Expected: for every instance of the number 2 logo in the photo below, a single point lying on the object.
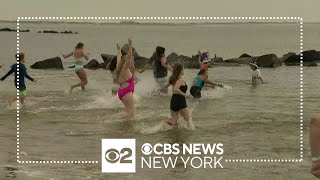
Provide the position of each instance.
(113, 155)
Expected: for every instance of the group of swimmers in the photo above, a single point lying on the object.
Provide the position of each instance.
(123, 71)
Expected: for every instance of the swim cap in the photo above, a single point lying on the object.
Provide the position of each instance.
(205, 55)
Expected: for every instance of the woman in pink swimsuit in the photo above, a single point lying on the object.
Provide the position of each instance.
(126, 81)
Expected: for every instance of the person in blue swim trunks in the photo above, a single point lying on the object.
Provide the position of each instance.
(19, 69)
(79, 54)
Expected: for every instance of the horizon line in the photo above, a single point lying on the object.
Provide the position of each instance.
(128, 22)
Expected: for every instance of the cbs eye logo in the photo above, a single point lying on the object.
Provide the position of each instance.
(114, 156)
(118, 155)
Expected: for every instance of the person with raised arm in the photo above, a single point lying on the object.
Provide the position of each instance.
(126, 80)
(20, 70)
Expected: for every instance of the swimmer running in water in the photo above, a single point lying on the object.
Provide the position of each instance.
(160, 69)
(200, 81)
(315, 145)
(126, 80)
(256, 74)
(178, 104)
(78, 55)
(19, 68)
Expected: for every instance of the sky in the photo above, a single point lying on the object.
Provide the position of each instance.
(308, 9)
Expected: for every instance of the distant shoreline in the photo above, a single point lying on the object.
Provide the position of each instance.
(149, 23)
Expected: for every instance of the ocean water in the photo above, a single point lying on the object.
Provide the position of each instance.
(252, 122)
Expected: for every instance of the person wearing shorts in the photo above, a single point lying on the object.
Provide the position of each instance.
(21, 70)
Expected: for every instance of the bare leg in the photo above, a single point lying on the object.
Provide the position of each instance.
(129, 105)
(173, 121)
(186, 116)
(83, 77)
(315, 144)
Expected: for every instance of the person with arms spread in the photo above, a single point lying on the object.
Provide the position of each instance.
(200, 81)
(78, 55)
(19, 68)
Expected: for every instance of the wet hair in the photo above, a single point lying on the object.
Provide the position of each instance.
(177, 68)
(113, 64)
(19, 56)
(79, 45)
(160, 50)
(202, 71)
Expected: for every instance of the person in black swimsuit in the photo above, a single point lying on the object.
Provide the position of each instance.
(178, 104)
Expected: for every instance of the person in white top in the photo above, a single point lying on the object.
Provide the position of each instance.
(256, 74)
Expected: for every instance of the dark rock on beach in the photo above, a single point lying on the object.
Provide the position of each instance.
(93, 65)
(107, 60)
(172, 58)
(50, 31)
(287, 56)
(243, 60)
(269, 61)
(308, 56)
(311, 55)
(13, 30)
(307, 64)
(56, 32)
(140, 61)
(186, 61)
(125, 49)
(51, 63)
(244, 55)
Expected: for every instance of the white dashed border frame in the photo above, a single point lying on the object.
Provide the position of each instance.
(299, 19)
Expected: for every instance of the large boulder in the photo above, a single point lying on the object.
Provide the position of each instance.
(291, 56)
(107, 58)
(244, 60)
(13, 30)
(7, 29)
(308, 56)
(188, 62)
(244, 55)
(140, 62)
(50, 31)
(307, 64)
(51, 63)
(125, 49)
(93, 65)
(172, 58)
(269, 61)
(311, 55)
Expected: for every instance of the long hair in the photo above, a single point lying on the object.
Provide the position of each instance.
(177, 68)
